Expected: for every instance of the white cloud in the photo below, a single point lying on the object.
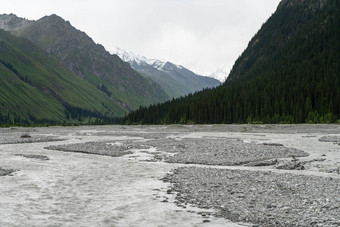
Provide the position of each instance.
(203, 35)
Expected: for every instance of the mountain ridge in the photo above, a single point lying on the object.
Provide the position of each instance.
(176, 80)
(82, 56)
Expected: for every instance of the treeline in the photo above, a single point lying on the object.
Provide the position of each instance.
(88, 116)
(256, 102)
(73, 116)
(10, 120)
(290, 73)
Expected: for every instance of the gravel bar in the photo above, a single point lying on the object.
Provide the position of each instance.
(5, 172)
(332, 139)
(16, 138)
(229, 152)
(113, 149)
(34, 156)
(262, 198)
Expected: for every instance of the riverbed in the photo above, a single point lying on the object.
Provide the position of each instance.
(119, 175)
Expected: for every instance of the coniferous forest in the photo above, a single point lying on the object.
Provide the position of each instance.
(289, 73)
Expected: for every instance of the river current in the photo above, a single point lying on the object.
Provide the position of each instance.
(75, 189)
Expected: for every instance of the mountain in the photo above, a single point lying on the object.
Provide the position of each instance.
(36, 88)
(220, 74)
(90, 61)
(289, 73)
(174, 79)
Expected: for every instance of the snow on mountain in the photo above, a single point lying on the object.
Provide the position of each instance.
(174, 79)
(127, 56)
(220, 74)
(132, 58)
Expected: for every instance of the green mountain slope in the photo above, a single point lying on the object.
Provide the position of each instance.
(36, 87)
(90, 61)
(290, 72)
(19, 99)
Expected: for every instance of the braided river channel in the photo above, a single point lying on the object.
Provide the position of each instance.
(109, 176)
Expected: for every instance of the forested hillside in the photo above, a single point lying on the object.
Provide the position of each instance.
(289, 73)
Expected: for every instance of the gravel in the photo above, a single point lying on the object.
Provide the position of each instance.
(229, 152)
(263, 198)
(109, 148)
(332, 139)
(14, 138)
(5, 172)
(34, 156)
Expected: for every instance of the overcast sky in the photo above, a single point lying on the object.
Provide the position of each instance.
(202, 35)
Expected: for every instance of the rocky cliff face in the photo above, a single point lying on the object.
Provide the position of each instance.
(10, 22)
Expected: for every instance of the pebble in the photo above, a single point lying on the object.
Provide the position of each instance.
(263, 198)
(332, 139)
(18, 137)
(108, 148)
(230, 152)
(34, 156)
(5, 172)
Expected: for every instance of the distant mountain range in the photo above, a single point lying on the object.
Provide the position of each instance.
(90, 61)
(289, 73)
(174, 79)
(220, 74)
(49, 63)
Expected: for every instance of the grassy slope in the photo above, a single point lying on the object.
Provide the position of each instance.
(20, 99)
(77, 52)
(46, 74)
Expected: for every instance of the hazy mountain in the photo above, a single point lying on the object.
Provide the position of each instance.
(220, 74)
(36, 88)
(174, 79)
(289, 73)
(90, 61)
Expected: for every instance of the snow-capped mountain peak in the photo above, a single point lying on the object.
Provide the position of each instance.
(176, 80)
(220, 74)
(127, 56)
(132, 58)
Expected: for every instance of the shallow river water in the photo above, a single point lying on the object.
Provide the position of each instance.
(76, 189)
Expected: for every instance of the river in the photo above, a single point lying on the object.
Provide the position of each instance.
(76, 189)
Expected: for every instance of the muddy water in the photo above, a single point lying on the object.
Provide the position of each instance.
(74, 189)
